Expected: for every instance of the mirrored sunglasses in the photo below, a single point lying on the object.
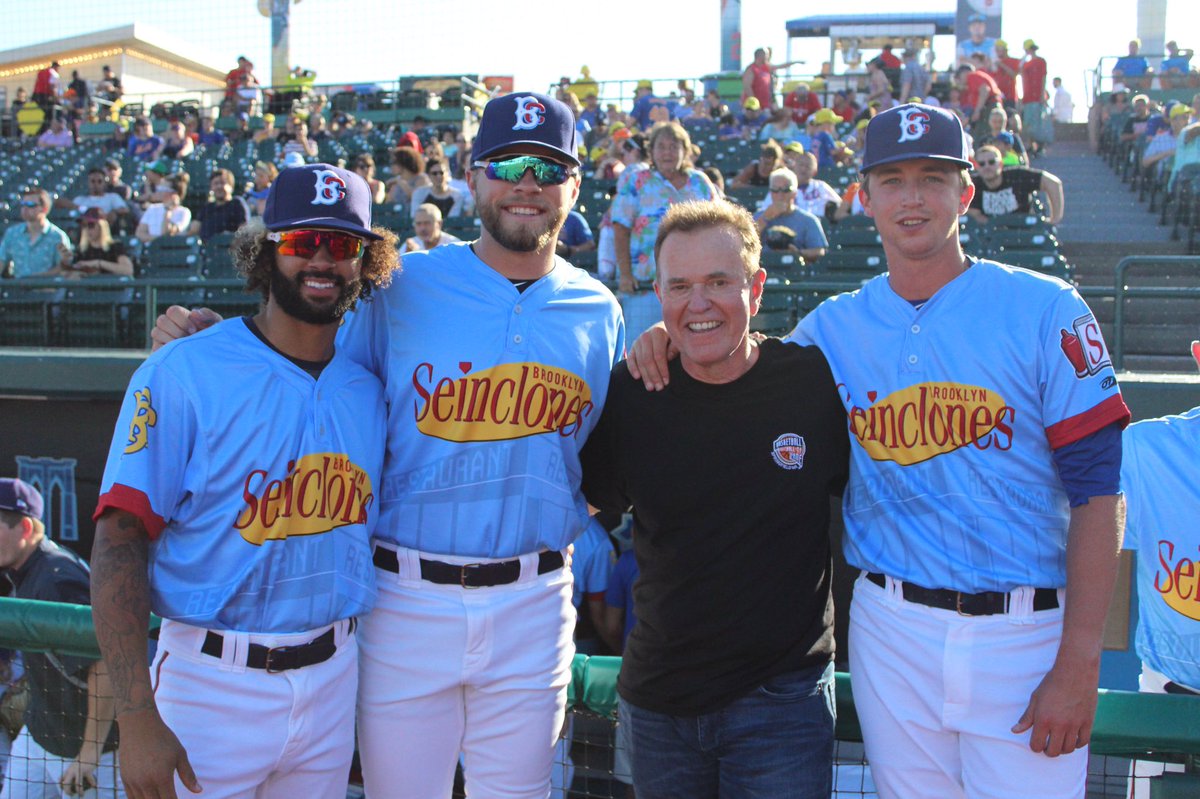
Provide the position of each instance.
(546, 173)
(305, 243)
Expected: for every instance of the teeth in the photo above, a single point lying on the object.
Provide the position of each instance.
(700, 327)
(523, 211)
(319, 284)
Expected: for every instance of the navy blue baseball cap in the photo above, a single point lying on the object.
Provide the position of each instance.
(320, 196)
(527, 118)
(915, 130)
(21, 497)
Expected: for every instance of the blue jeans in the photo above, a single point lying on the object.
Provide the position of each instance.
(774, 743)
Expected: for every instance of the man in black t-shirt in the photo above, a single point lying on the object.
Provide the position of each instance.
(1009, 190)
(223, 212)
(63, 748)
(727, 677)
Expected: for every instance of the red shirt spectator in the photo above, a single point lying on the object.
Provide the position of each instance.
(889, 59)
(1005, 71)
(979, 83)
(1033, 78)
(802, 102)
(233, 79)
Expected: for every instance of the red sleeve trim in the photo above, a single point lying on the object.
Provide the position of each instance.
(1076, 427)
(131, 500)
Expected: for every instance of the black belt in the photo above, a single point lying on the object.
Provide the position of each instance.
(280, 658)
(1176, 688)
(986, 603)
(469, 575)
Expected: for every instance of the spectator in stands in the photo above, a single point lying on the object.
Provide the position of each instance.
(98, 254)
(47, 88)
(300, 142)
(176, 143)
(265, 173)
(915, 80)
(78, 95)
(57, 136)
(1187, 151)
(879, 88)
(249, 95)
(641, 202)
(1164, 144)
(729, 128)
(977, 42)
(318, 130)
(448, 199)
(223, 213)
(1064, 106)
(1138, 120)
(143, 144)
(842, 106)
(717, 179)
(109, 88)
(364, 165)
(152, 189)
(804, 233)
(169, 217)
(812, 194)
(1133, 69)
(112, 180)
(758, 172)
(233, 78)
(802, 102)
(408, 173)
(977, 92)
(792, 151)
(99, 196)
(644, 101)
(575, 236)
(592, 113)
(781, 128)
(208, 136)
(1158, 478)
(998, 124)
(1035, 118)
(68, 743)
(33, 247)
(1175, 68)
(753, 117)
(427, 224)
(825, 146)
(268, 132)
(1004, 71)
(1008, 190)
(758, 79)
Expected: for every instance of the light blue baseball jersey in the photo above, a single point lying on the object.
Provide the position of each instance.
(591, 562)
(491, 393)
(1162, 495)
(256, 483)
(953, 409)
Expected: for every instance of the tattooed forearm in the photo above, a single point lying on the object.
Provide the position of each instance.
(121, 607)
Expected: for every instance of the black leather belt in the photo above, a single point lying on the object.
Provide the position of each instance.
(280, 658)
(469, 575)
(986, 603)
(1176, 688)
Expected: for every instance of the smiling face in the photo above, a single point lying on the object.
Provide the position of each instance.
(707, 301)
(317, 290)
(916, 205)
(523, 216)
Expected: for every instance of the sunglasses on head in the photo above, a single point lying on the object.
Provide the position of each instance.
(305, 243)
(546, 173)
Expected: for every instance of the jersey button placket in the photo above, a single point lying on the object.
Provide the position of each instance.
(516, 328)
(913, 349)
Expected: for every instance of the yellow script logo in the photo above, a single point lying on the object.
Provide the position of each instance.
(321, 492)
(144, 417)
(509, 401)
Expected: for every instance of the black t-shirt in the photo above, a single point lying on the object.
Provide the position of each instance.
(1017, 185)
(89, 253)
(58, 683)
(730, 488)
(217, 218)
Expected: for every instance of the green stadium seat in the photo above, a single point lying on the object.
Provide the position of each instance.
(218, 260)
(96, 313)
(1046, 262)
(172, 257)
(465, 227)
(855, 237)
(24, 317)
(777, 314)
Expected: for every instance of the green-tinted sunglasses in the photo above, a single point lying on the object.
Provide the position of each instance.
(546, 173)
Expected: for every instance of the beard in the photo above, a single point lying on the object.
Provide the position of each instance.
(288, 295)
(516, 238)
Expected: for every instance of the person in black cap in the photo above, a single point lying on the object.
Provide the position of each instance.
(238, 500)
(68, 742)
(983, 504)
(495, 355)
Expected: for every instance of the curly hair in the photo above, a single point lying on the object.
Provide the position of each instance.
(254, 257)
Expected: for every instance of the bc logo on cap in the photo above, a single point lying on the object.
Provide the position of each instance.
(331, 189)
(914, 123)
(530, 114)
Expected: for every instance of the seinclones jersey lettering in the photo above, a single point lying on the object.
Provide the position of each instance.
(512, 400)
(925, 420)
(1178, 580)
(321, 492)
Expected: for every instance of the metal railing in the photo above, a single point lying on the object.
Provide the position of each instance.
(1122, 292)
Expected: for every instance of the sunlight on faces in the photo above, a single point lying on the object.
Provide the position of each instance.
(317, 290)
(707, 300)
(523, 216)
(916, 205)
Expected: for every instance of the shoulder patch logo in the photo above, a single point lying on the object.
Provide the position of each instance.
(914, 123)
(330, 189)
(788, 451)
(530, 114)
(1084, 348)
(144, 417)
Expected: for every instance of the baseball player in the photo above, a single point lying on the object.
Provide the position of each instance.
(495, 357)
(983, 502)
(1158, 475)
(67, 743)
(237, 503)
